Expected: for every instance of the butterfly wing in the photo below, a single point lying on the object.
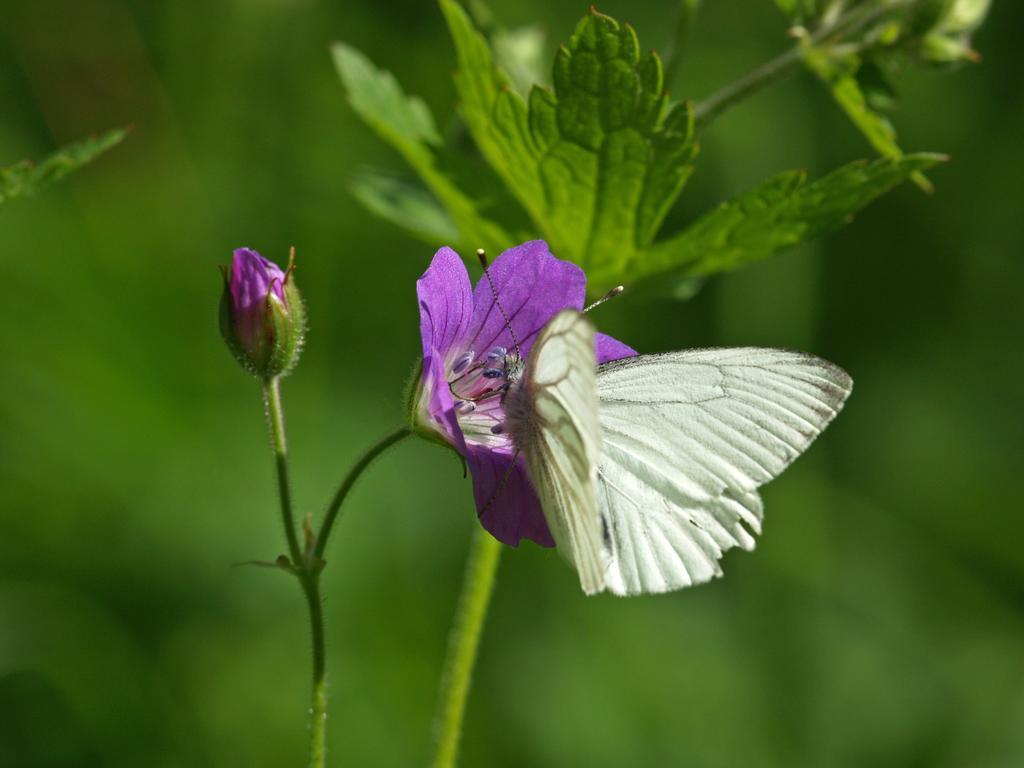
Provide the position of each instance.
(687, 438)
(552, 414)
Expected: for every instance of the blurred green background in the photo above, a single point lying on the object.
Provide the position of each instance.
(880, 621)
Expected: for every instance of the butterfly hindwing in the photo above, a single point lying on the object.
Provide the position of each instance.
(686, 439)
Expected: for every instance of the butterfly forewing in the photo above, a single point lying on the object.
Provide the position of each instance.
(553, 415)
(686, 440)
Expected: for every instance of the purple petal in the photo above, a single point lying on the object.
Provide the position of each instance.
(446, 305)
(252, 278)
(446, 302)
(512, 509)
(608, 349)
(532, 286)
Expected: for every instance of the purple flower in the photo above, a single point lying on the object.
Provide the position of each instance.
(468, 356)
(262, 317)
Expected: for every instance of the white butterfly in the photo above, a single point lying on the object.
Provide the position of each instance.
(647, 468)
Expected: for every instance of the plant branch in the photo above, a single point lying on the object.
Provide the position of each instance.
(306, 571)
(849, 23)
(318, 708)
(481, 567)
(346, 485)
(275, 420)
(774, 69)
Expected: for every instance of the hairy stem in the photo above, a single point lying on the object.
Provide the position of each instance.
(306, 571)
(346, 485)
(318, 708)
(275, 420)
(484, 554)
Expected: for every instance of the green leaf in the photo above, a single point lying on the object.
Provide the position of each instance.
(406, 124)
(778, 214)
(27, 178)
(378, 98)
(840, 75)
(404, 204)
(596, 163)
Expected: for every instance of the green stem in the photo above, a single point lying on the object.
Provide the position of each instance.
(275, 419)
(346, 485)
(714, 105)
(318, 709)
(484, 554)
(306, 571)
(854, 20)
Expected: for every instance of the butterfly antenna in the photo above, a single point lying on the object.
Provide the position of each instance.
(607, 297)
(501, 485)
(480, 254)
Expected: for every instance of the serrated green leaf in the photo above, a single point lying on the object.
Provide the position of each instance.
(778, 214)
(404, 204)
(596, 163)
(406, 124)
(840, 75)
(27, 178)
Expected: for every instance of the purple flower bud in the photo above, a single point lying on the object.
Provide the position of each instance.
(262, 317)
(254, 282)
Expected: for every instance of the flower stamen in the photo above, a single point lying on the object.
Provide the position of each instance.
(479, 386)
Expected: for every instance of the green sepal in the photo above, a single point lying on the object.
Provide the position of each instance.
(416, 410)
(288, 322)
(415, 407)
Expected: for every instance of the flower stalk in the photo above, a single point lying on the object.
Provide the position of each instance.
(463, 644)
(307, 573)
(318, 709)
(341, 494)
(307, 563)
(279, 443)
